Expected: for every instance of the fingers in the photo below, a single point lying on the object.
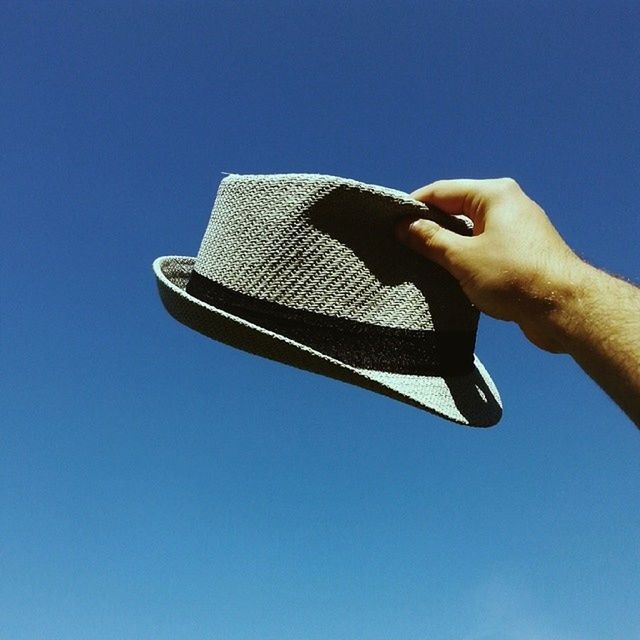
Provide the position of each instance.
(432, 241)
(452, 196)
(470, 197)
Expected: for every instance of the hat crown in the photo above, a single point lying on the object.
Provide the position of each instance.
(326, 244)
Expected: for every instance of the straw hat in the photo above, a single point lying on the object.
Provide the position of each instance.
(305, 269)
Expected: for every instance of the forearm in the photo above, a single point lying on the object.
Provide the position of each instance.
(598, 324)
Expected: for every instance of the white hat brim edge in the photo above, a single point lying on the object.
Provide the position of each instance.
(431, 393)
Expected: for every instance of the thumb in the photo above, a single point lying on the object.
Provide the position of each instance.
(431, 240)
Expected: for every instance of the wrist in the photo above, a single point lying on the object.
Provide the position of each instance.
(569, 299)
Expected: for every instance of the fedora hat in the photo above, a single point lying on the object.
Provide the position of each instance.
(305, 269)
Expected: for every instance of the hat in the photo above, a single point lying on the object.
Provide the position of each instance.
(305, 269)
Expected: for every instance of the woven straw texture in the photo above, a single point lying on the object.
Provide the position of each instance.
(326, 244)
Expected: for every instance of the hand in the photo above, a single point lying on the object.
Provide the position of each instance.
(516, 267)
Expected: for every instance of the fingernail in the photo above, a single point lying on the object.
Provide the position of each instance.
(422, 223)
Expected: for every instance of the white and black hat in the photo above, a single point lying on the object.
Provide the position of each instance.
(305, 269)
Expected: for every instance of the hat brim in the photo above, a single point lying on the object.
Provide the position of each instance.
(471, 399)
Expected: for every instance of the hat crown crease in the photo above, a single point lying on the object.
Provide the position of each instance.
(326, 244)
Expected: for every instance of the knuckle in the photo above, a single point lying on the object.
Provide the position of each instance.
(434, 189)
(429, 234)
(508, 185)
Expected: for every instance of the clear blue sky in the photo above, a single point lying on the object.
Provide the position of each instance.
(157, 485)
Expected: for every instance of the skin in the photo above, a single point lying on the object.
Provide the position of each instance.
(517, 267)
